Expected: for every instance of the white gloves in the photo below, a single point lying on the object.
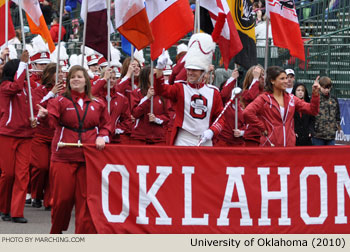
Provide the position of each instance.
(207, 135)
(163, 60)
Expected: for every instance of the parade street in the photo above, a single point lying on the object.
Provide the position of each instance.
(39, 222)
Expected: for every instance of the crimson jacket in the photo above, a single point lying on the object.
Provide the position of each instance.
(14, 106)
(63, 117)
(144, 129)
(120, 116)
(35, 80)
(264, 114)
(123, 86)
(120, 109)
(179, 72)
(41, 96)
(194, 110)
(227, 132)
(251, 133)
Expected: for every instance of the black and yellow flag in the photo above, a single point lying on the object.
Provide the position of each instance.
(241, 11)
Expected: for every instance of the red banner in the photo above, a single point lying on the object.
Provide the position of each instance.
(139, 189)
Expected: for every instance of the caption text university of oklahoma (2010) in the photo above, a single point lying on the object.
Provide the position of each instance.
(268, 242)
(41, 239)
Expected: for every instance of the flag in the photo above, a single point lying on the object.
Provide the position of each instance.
(285, 27)
(11, 30)
(228, 38)
(36, 21)
(244, 20)
(170, 21)
(96, 36)
(132, 22)
(126, 45)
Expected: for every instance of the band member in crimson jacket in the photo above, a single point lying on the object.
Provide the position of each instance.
(41, 143)
(273, 111)
(229, 136)
(77, 118)
(253, 86)
(16, 133)
(149, 127)
(119, 105)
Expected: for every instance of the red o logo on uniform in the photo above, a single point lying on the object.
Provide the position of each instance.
(198, 108)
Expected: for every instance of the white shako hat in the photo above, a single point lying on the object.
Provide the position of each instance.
(63, 54)
(40, 53)
(200, 52)
(181, 48)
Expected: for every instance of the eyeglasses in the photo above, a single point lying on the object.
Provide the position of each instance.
(327, 87)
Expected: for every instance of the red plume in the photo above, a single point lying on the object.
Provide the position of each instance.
(220, 21)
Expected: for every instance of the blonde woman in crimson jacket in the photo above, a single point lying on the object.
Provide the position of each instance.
(149, 128)
(273, 111)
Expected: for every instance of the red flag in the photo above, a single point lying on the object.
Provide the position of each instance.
(285, 27)
(228, 39)
(132, 22)
(11, 30)
(170, 21)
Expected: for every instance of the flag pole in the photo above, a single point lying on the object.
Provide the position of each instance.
(267, 43)
(236, 102)
(109, 54)
(84, 32)
(6, 25)
(197, 17)
(132, 59)
(59, 41)
(27, 71)
(152, 84)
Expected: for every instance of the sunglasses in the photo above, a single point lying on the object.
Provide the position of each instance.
(327, 87)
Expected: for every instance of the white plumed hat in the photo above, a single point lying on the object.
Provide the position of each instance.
(138, 55)
(200, 52)
(13, 52)
(181, 48)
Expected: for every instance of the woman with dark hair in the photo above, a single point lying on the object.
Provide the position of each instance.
(273, 111)
(16, 132)
(41, 143)
(77, 118)
(149, 128)
(302, 121)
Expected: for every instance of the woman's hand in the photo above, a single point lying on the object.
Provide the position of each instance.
(150, 92)
(42, 111)
(236, 133)
(100, 143)
(235, 74)
(152, 117)
(316, 87)
(57, 88)
(257, 72)
(33, 122)
(108, 73)
(25, 56)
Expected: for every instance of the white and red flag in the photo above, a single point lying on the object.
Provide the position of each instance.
(170, 21)
(227, 38)
(285, 26)
(36, 20)
(132, 22)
